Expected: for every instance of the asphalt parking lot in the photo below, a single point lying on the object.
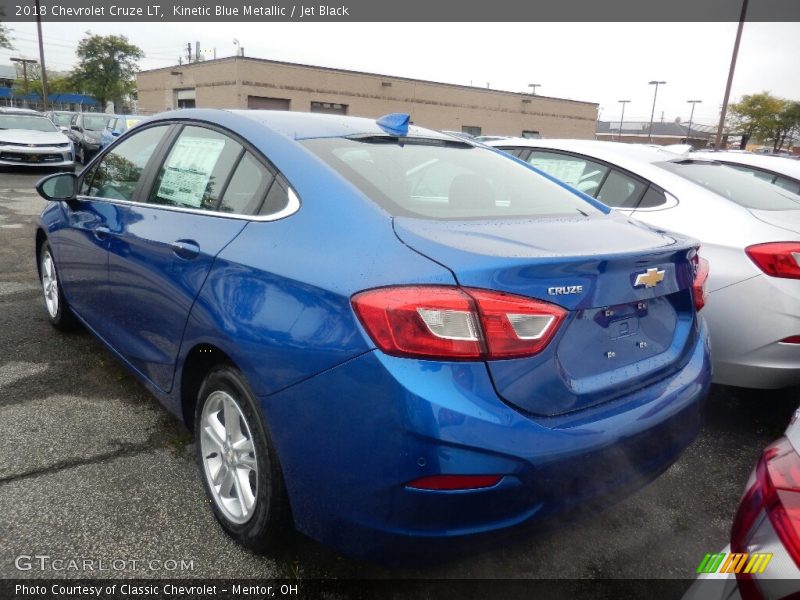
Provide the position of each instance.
(92, 466)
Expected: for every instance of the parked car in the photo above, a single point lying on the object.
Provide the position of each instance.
(29, 139)
(777, 170)
(116, 126)
(61, 118)
(763, 558)
(379, 334)
(84, 131)
(749, 231)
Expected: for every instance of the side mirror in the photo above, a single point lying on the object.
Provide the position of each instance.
(64, 129)
(115, 133)
(58, 187)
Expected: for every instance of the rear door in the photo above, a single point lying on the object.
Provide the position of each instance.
(195, 203)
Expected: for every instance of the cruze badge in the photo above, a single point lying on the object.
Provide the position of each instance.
(650, 278)
(561, 290)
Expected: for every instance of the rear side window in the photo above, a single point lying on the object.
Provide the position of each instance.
(196, 169)
(277, 198)
(581, 173)
(246, 189)
(117, 174)
(652, 198)
(737, 187)
(620, 191)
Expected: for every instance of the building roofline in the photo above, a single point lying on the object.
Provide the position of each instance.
(351, 72)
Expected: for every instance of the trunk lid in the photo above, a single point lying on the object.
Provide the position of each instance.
(617, 337)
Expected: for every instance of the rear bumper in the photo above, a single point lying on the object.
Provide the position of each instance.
(747, 321)
(350, 438)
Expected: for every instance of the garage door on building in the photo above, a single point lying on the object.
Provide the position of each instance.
(329, 107)
(264, 103)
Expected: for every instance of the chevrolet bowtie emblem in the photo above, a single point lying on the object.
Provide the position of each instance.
(649, 279)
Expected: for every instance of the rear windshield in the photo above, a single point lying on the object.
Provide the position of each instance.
(729, 183)
(445, 180)
(31, 122)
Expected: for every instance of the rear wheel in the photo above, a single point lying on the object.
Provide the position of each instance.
(58, 311)
(241, 474)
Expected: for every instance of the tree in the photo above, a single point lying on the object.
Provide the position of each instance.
(787, 125)
(756, 116)
(107, 67)
(5, 37)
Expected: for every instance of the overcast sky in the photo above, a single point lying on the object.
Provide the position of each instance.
(596, 62)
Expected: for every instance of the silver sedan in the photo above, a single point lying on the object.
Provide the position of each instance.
(749, 230)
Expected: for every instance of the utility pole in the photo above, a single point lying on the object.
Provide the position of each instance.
(724, 112)
(533, 87)
(41, 57)
(622, 118)
(653, 112)
(691, 116)
(24, 62)
(189, 53)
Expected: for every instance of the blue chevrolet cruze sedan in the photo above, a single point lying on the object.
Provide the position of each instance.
(381, 335)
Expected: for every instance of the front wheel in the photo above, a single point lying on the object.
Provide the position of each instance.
(58, 311)
(241, 474)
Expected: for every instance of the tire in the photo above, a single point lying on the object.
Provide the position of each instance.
(58, 311)
(238, 463)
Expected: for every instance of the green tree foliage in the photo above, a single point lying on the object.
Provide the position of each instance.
(5, 37)
(787, 128)
(107, 67)
(756, 116)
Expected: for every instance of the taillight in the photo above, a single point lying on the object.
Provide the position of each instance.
(456, 323)
(774, 489)
(777, 259)
(700, 266)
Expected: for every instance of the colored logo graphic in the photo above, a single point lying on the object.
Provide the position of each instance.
(741, 562)
(650, 278)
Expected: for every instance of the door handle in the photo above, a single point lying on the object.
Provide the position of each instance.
(187, 249)
(101, 232)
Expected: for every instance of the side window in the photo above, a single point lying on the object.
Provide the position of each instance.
(118, 173)
(652, 198)
(277, 197)
(247, 187)
(620, 191)
(196, 169)
(581, 173)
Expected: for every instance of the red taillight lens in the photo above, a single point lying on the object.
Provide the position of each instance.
(792, 339)
(700, 266)
(778, 259)
(454, 482)
(456, 323)
(775, 489)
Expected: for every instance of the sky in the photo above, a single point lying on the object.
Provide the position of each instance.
(595, 62)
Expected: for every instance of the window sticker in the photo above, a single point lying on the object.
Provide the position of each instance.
(568, 171)
(188, 170)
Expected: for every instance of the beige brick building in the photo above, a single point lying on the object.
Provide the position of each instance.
(240, 82)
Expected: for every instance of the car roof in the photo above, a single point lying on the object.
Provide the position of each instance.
(615, 152)
(776, 164)
(20, 111)
(301, 125)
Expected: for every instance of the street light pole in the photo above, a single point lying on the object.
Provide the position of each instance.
(653, 112)
(41, 57)
(533, 87)
(622, 118)
(691, 116)
(724, 112)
